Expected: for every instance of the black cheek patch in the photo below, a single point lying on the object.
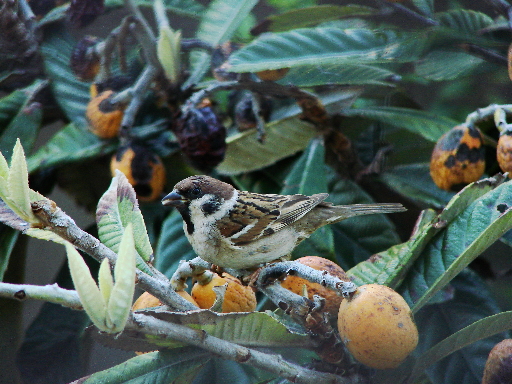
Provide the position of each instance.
(211, 206)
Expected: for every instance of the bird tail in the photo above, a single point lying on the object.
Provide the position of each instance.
(347, 211)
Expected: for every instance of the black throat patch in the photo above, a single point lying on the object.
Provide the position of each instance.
(185, 214)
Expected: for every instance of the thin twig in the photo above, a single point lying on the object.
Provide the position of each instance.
(51, 293)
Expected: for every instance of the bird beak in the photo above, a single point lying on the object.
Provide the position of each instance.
(174, 199)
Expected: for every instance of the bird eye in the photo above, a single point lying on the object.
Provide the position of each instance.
(195, 192)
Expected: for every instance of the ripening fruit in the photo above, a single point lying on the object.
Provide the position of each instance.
(458, 158)
(504, 152)
(143, 169)
(377, 326)
(498, 368)
(147, 300)
(272, 74)
(104, 118)
(332, 300)
(238, 297)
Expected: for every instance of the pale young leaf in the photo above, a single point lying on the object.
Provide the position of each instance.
(88, 291)
(105, 281)
(18, 184)
(121, 296)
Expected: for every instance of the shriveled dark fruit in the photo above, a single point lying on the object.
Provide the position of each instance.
(104, 118)
(143, 169)
(498, 368)
(296, 284)
(84, 61)
(458, 158)
(202, 138)
(377, 327)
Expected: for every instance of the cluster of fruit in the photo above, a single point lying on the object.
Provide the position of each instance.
(375, 323)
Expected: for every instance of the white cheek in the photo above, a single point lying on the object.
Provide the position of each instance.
(200, 219)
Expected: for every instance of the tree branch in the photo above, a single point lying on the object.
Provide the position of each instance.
(230, 351)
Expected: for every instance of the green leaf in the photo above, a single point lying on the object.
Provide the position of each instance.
(305, 17)
(441, 65)
(477, 228)
(391, 266)
(70, 144)
(286, 135)
(481, 329)
(117, 208)
(10, 105)
(71, 94)
(465, 21)
(153, 367)
(188, 8)
(250, 329)
(425, 6)
(471, 222)
(326, 45)
(218, 24)
(427, 124)
(423, 190)
(471, 302)
(26, 118)
(121, 296)
(8, 237)
(313, 75)
(172, 245)
(308, 177)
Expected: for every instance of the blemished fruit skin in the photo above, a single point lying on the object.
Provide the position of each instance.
(104, 120)
(332, 300)
(143, 169)
(458, 158)
(377, 326)
(238, 297)
(498, 368)
(504, 152)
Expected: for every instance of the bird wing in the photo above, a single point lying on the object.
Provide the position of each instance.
(295, 208)
(257, 215)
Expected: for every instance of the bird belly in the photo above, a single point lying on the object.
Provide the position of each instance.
(263, 250)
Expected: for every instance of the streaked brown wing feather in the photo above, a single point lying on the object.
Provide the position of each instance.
(264, 214)
(295, 208)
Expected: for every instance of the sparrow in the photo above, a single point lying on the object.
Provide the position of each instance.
(241, 230)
